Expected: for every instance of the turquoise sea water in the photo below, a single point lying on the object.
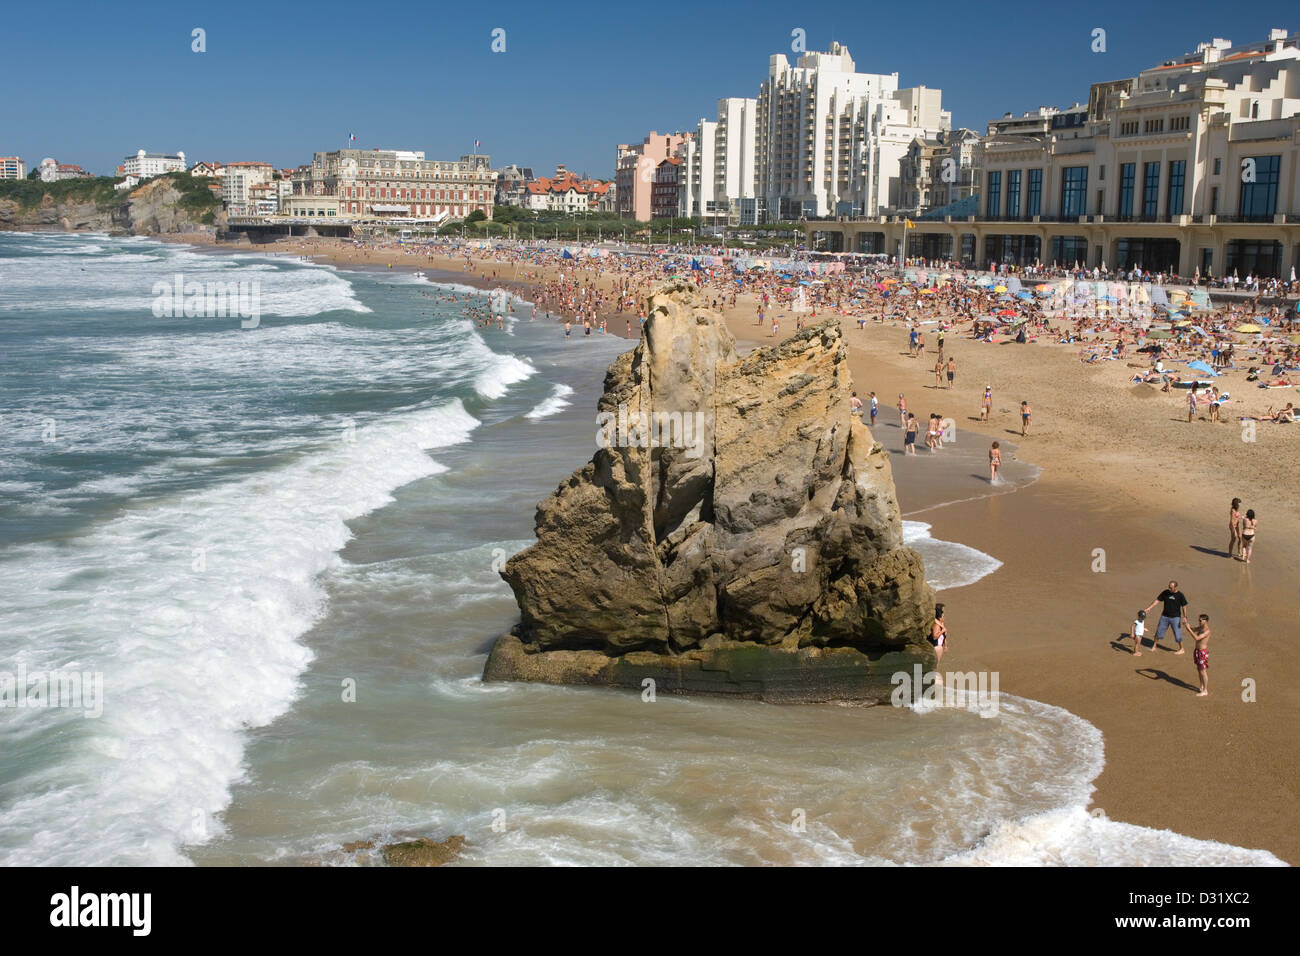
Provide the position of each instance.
(277, 547)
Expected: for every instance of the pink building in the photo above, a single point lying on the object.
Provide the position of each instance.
(635, 171)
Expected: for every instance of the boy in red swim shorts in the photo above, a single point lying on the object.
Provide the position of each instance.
(1201, 655)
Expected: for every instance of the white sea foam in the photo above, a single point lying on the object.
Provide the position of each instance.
(125, 281)
(948, 564)
(495, 381)
(1072, 836)
(553, 403)
(192, 608)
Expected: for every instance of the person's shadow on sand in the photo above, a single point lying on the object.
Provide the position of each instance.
(1213, 552)
(1151, 673)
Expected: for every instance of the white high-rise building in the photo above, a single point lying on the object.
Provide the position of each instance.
(718, 164)
(830, 139)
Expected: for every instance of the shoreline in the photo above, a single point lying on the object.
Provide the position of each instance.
(1053, 639)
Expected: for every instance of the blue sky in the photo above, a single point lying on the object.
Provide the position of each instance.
(88, 82)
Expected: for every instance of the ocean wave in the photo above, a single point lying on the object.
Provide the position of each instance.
(553, 403)
(192, 608)
(496, 380)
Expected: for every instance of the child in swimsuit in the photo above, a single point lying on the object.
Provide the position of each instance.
(995, 462)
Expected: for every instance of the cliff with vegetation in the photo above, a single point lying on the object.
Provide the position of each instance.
(174, 203)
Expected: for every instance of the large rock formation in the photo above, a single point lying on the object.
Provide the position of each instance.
(737, 532)
(153, 208)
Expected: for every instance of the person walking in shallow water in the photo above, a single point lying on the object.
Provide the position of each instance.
(1234, 527)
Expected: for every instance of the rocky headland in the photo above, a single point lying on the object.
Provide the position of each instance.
(162, 206)
(736, 532)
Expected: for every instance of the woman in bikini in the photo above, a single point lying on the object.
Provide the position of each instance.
(986, 406)
(1248, 526)
(995, 462)
(1234, 527)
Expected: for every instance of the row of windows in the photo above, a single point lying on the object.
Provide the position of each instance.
(354, 193)
(1033, 197)
(1258, 199)
(1155, 125)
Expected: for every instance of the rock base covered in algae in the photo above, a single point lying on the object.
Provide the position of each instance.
(736, 531)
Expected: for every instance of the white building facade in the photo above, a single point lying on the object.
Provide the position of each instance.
(1193, 165)
(829, 140)
(145, 165)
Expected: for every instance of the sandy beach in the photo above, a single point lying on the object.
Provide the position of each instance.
(1125, 484)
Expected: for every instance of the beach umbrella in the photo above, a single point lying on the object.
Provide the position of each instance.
(1249, 327)
(1000, 288)
(1203, 367)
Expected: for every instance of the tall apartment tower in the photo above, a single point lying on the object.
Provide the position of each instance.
(830, 139)
(719, 163)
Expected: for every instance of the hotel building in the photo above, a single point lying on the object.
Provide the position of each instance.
(1192, 165)
(12, 167)
(393, 184)
(718, 164)
(241, 184)
(830, 140)
(147, 165)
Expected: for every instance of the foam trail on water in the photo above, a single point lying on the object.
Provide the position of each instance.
(555, 402)
(948, 564)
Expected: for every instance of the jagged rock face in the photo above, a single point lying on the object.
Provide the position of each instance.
(150, 209)
(767, 519)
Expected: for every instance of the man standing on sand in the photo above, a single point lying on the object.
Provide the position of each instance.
(952, 370)
(1025, 413)
(875, 407)
(1172, 615)
(855, 405)
(1201, 655)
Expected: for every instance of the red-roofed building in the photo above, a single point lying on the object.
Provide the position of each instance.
(52, 171)
(565, 192)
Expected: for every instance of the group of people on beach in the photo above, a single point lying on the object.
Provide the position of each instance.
(1241, 531)
(1173, 618)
